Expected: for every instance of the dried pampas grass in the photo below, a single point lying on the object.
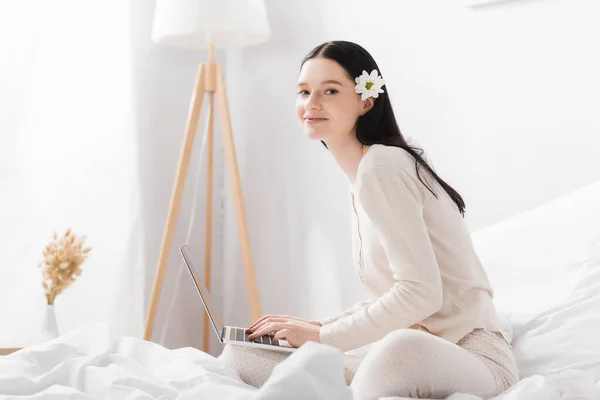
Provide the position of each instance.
(62, 263)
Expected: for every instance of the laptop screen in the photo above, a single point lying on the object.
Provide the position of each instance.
(202, 291)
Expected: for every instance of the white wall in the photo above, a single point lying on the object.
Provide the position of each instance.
(511, 87)
(503, 98)
(164, 82)
(68, 159)
(90, 139)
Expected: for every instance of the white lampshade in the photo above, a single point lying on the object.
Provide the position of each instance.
(194, 24)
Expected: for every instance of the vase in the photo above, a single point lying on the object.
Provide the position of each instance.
(49, 325)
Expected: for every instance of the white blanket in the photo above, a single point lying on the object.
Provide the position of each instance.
(569, 385)
(89, 363)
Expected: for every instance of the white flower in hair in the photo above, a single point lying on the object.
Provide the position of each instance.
(369, 85)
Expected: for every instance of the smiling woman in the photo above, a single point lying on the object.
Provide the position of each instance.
(330, 77)
(327, 108)
(431, 307)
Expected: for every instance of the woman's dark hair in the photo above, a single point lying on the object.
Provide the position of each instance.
(378, 125)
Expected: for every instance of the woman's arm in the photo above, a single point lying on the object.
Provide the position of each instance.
(394, 205)
(348, 311)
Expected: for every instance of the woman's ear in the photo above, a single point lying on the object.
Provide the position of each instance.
(367, 105)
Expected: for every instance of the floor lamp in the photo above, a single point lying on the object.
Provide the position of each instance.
(207, 24)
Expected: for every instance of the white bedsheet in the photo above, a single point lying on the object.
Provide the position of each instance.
(569, 385)
(90, 364)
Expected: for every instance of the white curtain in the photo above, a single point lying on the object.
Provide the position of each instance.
(68, 159)
(92, 122)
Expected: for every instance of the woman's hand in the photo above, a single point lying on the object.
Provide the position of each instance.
(296, 331)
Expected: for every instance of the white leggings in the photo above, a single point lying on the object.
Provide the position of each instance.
(406, 363)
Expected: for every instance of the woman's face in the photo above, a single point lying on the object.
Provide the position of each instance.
(327, 105)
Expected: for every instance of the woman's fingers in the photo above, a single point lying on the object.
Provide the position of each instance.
(264, 323)
(268, 328)
(284, 333)
(267, 319)
(261, 319)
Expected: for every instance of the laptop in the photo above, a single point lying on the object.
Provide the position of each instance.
(230, 334)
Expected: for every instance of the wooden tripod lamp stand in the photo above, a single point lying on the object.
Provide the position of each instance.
(206, 24)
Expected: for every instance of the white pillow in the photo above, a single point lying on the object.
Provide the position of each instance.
(565, 336)
(530, 258)
(544, 267)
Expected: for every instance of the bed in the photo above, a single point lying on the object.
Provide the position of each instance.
(545, 268)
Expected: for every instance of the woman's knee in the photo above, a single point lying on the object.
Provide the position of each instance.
(405, 342)
(240, 357)
(230, 357)
(230, 354)
(394, 366)
(252, 365)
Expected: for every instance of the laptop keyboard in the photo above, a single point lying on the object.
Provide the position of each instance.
(240, 335)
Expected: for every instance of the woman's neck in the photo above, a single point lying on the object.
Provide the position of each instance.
(348, 154)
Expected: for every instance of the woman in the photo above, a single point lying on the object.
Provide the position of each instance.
(431, 328)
